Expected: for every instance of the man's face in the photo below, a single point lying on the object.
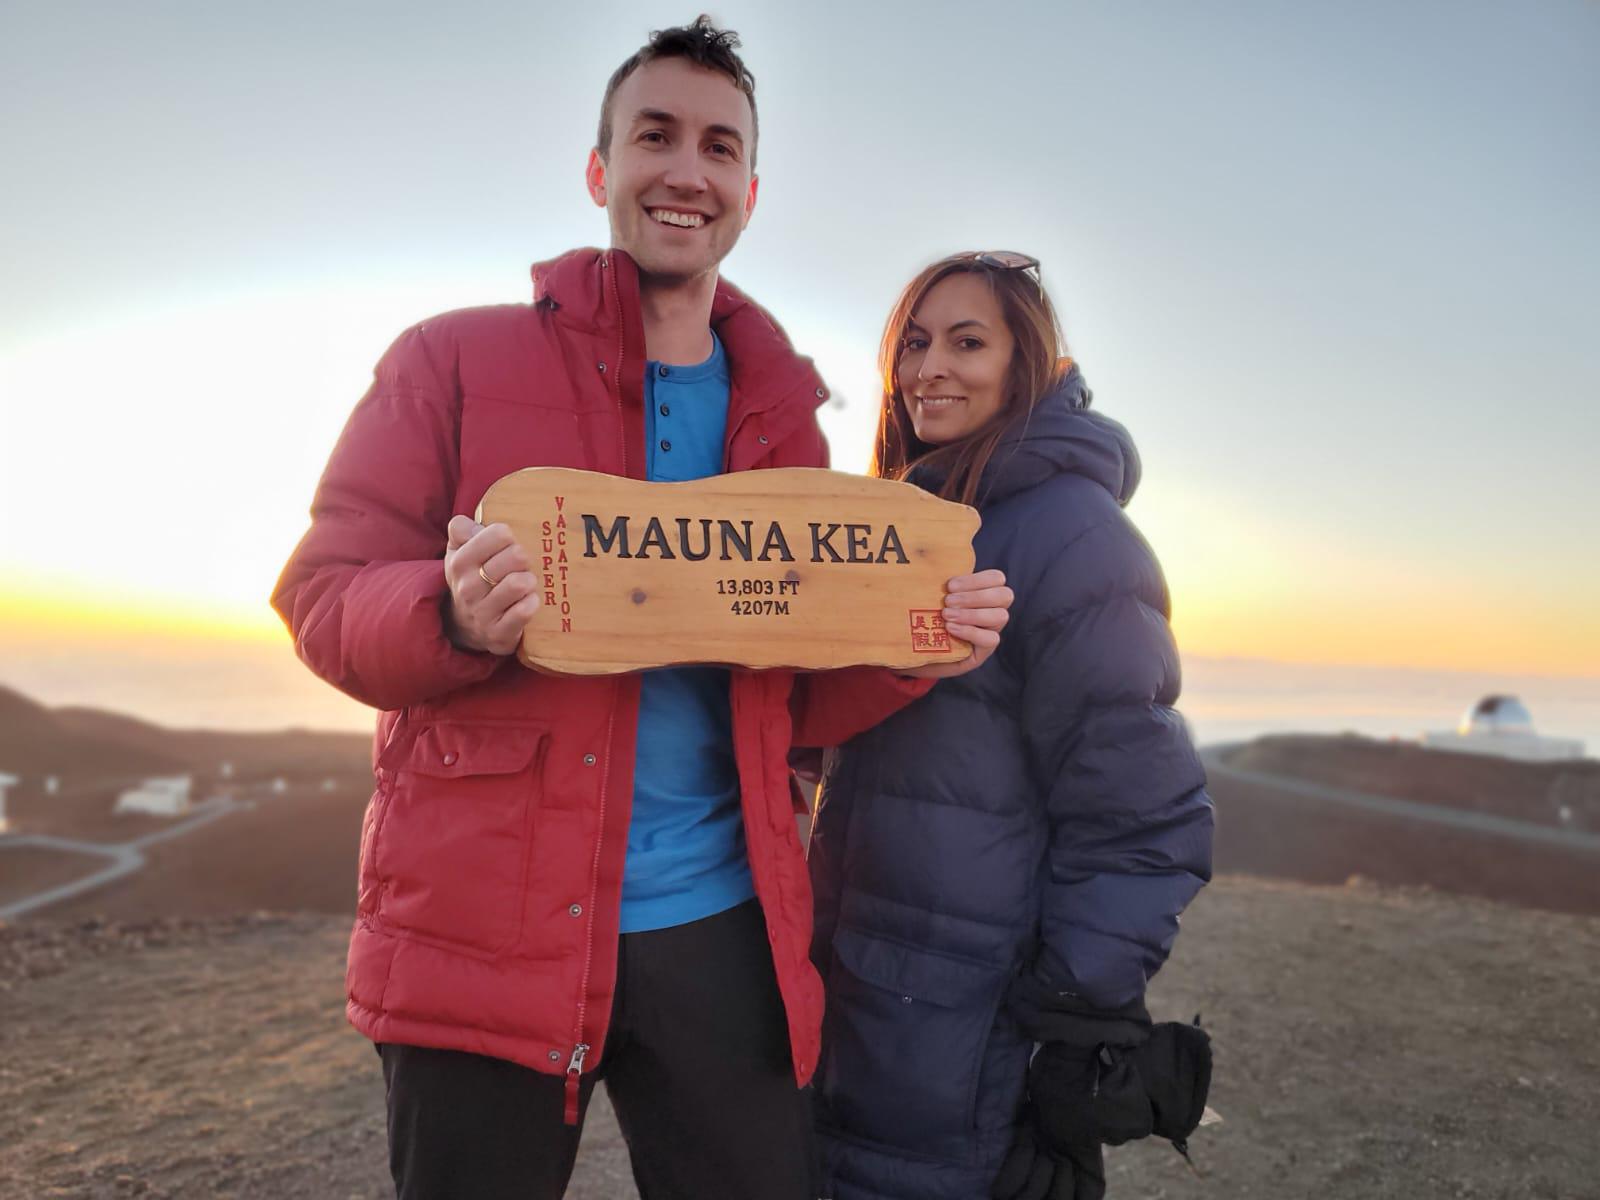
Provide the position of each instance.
(676, 183)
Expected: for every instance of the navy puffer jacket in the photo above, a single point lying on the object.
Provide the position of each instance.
(1045, 812)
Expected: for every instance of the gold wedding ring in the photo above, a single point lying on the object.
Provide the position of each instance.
(484, 575)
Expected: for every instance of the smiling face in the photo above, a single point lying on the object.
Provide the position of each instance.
(953, 369)
(676, 180)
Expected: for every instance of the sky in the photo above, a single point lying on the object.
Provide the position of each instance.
(1335, 266)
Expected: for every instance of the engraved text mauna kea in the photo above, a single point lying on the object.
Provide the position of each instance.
(796, 567)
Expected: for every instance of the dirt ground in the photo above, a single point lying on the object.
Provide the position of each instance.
(1264, 830)
(1373, 1040)
(295, 851)
(1370, 1043)
(199, 1058)
(86, 814)
(24, 872)
(89, 814)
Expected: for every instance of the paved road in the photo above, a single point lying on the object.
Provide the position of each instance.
(124, 858)
(1455, 818)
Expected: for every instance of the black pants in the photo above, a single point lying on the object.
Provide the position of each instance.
(696, 1063)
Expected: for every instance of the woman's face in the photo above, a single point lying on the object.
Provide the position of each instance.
(952, 370)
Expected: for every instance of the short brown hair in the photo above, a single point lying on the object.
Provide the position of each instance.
(1037, 364)
(703, 44)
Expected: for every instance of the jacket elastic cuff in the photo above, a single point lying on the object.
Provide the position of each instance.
(1047, 1011)
(906, 687)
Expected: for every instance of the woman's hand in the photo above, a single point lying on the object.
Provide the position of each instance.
(976, 609)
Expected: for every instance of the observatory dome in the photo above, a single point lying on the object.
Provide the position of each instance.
(1496, 714)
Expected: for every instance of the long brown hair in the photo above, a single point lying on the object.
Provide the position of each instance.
(1037, 364)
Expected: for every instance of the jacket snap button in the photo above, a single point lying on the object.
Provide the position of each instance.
(822, 393)
(554, 1056)
(666, 445)
(905, 999)
(576, 910)
(588, 760)
(450, 758)
(762, 439)
(602, 367)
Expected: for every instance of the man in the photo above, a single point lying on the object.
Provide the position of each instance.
(564, 879)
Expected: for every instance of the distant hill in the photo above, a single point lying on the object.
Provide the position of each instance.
(1561, 794)
(36, 740)
(292, 847)
(250, 753)
(1338, 827)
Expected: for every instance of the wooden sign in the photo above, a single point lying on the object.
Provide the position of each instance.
(797, 567)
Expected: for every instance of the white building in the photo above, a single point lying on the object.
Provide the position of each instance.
(166, 796)
(1501, 726)
(6, 781)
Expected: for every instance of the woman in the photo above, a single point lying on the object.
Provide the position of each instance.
(1002, 864)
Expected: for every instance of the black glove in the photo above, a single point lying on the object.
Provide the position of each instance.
(1146, 1078)
(1093, 1095)
(1035, 1171)
(1115, 1094)
(1175, 1068)
(1079, 1098)
(1048, 1013)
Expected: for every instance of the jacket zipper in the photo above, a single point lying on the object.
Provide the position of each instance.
(574, 1078)
(622, 345)
(580, 1048)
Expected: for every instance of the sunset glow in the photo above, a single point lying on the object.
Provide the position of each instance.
(1340, 302)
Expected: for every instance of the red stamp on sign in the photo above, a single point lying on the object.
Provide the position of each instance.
(928, 634)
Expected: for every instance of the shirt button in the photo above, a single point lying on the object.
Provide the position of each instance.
(576, 910)
(663, 372)
(666, 411)
(588, 760)
(449, 759)
(666, 445)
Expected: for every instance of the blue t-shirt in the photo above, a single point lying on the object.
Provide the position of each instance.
(686, 851)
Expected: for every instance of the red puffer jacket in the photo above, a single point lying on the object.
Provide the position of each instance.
(492, 850)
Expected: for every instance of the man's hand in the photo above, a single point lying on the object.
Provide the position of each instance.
(493, 595)
(976, 609)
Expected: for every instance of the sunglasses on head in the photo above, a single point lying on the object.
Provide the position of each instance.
(1009, 260)
(1006, 260)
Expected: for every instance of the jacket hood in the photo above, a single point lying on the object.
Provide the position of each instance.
(1059, 436)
